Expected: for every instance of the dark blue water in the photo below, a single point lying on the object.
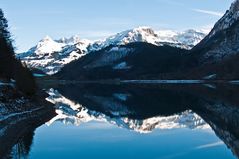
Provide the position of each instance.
(103, 140)
(127, 122)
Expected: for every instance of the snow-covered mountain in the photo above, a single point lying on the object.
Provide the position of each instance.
(51, 55)
(186, 39)
(74, 113)
(222, 41)
(229, 18)
(189, 38)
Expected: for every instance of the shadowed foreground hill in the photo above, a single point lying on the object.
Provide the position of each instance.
(125, 62)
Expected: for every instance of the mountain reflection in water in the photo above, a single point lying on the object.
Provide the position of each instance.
(118, 113)
(145, 109)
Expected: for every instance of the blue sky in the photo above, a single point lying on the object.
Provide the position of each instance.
(31, 20)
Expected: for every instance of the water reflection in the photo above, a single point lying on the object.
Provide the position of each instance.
(118, 113)
(144, 109)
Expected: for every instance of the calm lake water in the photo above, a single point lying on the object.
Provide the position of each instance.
(130, 121)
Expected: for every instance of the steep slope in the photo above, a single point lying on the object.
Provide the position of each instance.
(222, 41)
(50, 55)
(131, 61)
(217, 54)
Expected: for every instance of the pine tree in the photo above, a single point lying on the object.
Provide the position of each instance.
(10, 67)
(6, 49)
(4, 33)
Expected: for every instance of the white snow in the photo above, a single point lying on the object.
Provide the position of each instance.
(186, 39)
(51, 55)
(48, 46)
(121, 66)
(189, 37)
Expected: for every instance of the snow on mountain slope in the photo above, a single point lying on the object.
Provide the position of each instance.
(71, 112)
(82, 44)
(186, 39)
(51, 55)
(141, 34)
(189, 37)
(47, 45)
(113, 54)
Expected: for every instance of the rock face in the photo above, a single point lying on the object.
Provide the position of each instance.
(222, 41)
(229, 18)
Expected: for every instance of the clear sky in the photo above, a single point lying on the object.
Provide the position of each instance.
(31, 20)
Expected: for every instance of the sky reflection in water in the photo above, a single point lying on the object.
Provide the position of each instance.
(103, 140)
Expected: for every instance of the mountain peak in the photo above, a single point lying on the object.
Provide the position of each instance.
(222, 41)
(144, 29)
(47, 38)
(72, 40)
(139, 34)
(47, 46)
(228, 19)
(235, 6)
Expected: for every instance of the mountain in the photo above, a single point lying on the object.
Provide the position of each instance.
(51, 55)
(222, 42)
(143, 53)
(131, 61)
(217, 54)
(186, 39)
(133, 54)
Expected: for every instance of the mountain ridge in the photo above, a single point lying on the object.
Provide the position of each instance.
(51, 55)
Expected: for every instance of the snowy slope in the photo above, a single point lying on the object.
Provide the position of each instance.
(186, 39)
(51, 55)
(189, 37)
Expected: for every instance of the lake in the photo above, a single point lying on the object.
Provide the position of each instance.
(144, 121)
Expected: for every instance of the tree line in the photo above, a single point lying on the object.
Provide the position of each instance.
(10, 67)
